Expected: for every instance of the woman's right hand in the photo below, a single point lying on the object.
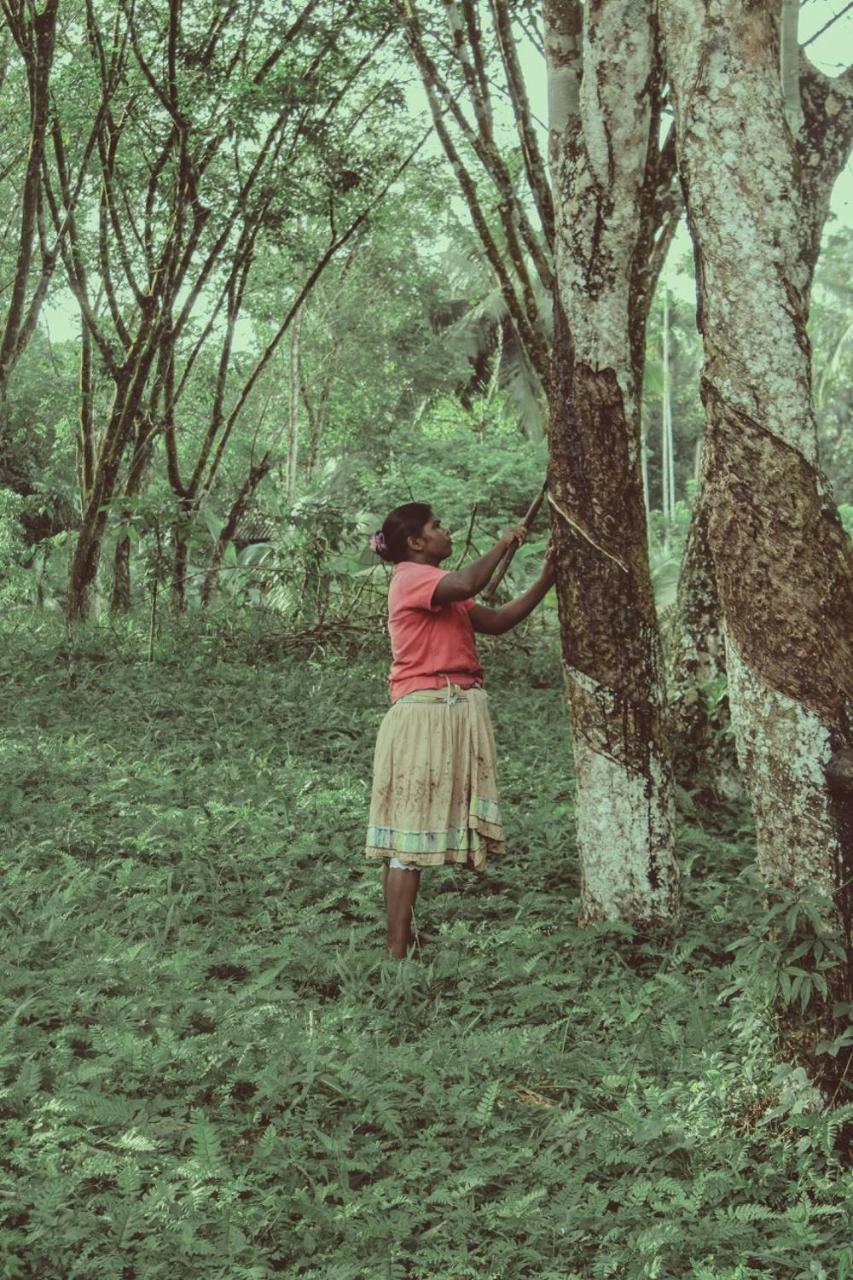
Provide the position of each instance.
(516, 534)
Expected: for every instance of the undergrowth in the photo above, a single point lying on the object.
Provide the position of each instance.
(209, 1069)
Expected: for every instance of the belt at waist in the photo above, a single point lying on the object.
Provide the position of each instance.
(448, 694)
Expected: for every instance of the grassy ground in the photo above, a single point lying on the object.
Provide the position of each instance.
(209, 1069)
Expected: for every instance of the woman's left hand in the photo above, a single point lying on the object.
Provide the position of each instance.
(549, 566)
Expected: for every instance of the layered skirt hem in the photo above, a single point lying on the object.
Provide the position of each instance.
(434, 798)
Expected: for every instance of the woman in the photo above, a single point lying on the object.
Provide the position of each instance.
(435, 797)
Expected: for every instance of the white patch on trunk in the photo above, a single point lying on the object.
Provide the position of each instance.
(594, 261)
(563, 69)
(789, 65)
(748, 215)
(625, 828)
(783, 748)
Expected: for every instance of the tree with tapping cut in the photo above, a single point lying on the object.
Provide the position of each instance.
(759, 150)
(600, 239)
(609, 176)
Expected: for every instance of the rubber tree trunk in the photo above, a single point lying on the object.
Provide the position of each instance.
(783, 562)
(121, 598)
(293, 409)
(87, 551)
(238, 507)
(603, 141)
(819, 110)
(180, 565)
(129, 389)
(698, 702)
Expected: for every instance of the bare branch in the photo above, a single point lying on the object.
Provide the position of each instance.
(533, 163)
(513, 216)
(70, 248)
(85, 430)
(236, 290)
(289, 36)
(831, 23)
(475, 44)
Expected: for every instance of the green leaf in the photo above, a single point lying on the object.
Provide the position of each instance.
(485, 1106)
(215, 523)
(206, 1146)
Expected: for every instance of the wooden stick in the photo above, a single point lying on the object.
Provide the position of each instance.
(506, 559)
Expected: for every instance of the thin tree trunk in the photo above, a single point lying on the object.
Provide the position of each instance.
(604, 165)
(316, 403)
(35, 39)
(644, 462)
(669, 469)
(254, 478)
(293, 409)
(129, 391)
(179, 572)
(121, 598)
(86, 431)
(784, 564)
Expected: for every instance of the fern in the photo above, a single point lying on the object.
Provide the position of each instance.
(750, 1213)
(205, 1143)
(528, 1098)
(136, 1142)
(485, 1107)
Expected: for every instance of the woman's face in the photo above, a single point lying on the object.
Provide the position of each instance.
(436, 542)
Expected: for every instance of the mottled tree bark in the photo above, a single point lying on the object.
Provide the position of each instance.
(818, 110)
(704, 755)
(784, 565)
(608, 177)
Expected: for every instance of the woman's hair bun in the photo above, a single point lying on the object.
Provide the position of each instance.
(379, 545)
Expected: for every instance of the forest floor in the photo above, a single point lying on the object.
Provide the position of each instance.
(210, 1070)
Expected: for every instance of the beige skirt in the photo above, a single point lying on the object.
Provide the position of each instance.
(435, 797)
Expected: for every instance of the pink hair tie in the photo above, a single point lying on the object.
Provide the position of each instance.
(377, 543)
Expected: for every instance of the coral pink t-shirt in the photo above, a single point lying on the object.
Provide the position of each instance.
(428, 642)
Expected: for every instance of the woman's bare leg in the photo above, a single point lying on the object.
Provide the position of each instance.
(400, 888)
